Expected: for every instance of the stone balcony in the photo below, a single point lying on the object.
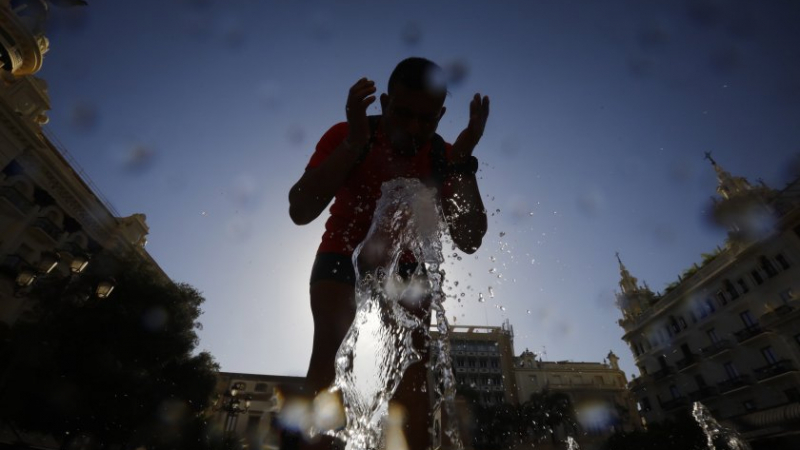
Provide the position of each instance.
(716, 348)
(16, 199)
(774, 369)
(686, 362)
(733, 383)
(748, 333)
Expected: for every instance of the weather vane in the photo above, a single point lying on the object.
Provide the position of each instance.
(708, 157)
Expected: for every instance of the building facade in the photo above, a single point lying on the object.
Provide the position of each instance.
(727, 333)
(246, 407)
(52, 219)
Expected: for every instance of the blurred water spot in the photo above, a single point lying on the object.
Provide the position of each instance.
(791, 170)
(456, 71)
(652, 38)
(84, 117)
(296, 135)
(518, 208)
(155, 318)
(173, 412)
(605, 300)
(411, 34)
(590, 202)
(725, 61)
(544, 313)
(702, 13)
(564, 329)
(268, 93)
(68, 20)
(661, 233)
(321, 25)
(138, 158)
(510, 146)
(244, 191)
(682, 171)
(640, 66)
(239, 229)
(232, 32)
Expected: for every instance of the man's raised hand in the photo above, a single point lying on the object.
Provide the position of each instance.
(358, 100)
(468, 139)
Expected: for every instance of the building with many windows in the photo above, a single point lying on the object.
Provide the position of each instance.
(727, 333)
(52, 218)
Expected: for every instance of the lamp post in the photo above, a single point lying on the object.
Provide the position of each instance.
(233, 404)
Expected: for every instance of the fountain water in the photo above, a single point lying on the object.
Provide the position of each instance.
(391, 306)
(719, 437)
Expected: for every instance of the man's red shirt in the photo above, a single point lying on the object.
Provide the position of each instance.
(354, 203)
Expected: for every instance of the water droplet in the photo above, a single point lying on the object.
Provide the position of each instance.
(480, 297)
(492, 270)
(529, 311)
(491, 292)
(502, 233)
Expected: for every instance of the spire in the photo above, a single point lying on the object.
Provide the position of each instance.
(627, 282)
(728, 185)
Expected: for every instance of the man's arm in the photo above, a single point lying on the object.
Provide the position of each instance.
(463, 208)
(462, 204)
(315, 189)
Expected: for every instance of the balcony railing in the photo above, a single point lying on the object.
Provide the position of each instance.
(774, 369)
(748, 333)
(702, 393)
(16, 198)
(638, 383)
(48, 227)
(716, 347)
(674, 403)
(663, 373)
(734, 383)
(687, 361)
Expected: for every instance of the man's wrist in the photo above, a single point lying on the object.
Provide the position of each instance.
(467, 166)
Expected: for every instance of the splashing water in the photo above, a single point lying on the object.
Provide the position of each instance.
(572, 444)
(391, 307)
(716, 433)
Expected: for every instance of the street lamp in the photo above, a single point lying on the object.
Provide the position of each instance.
(78, 264)
(105, 287)
(233, 403)
(48, 262)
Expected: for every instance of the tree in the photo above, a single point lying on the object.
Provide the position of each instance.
(681, 433)
(546, 411)
(121, 370)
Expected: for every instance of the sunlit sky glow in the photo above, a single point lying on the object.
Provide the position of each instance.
(202, 114)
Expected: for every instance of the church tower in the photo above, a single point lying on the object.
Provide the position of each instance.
(633, 299)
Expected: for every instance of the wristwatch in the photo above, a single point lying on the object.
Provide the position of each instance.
(470, 166)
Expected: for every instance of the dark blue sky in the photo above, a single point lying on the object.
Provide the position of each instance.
(202, 113)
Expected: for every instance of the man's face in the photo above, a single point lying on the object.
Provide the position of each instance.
(410, 118)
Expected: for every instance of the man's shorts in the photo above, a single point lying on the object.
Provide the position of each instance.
(338, 267)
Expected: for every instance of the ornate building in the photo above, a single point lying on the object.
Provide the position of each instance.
(52, 218)
(727, 333)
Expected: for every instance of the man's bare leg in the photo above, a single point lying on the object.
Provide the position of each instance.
(333, 307)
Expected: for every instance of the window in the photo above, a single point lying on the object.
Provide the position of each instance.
(782, 261)
(712, 335)
(252, 423)
(673, 390)
(471, 362)
(459, 362)
(769, 355)
(748, 319)
(598, 379)
(482, 362)
(757, 276)
(731, 370)
(743, 285)
(644, 404)
(682, 322)
(721, 297)
(749, 405)
(792, 394)
(701, 382)
(766, 264)
(261, 387)
(710, 306)
(731, 290)
(786, 295)
(495, 363)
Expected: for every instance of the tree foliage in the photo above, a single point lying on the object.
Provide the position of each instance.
(682, 433)
(120, 370)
